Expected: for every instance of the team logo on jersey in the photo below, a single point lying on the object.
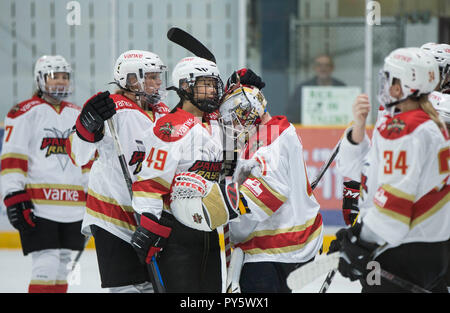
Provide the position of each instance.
(207, 169)
(167, 129)
(138, 157)
(55, 143)
(395, 126)
(197, 218)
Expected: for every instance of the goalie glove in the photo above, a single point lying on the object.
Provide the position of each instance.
(205, 205)
(19, 209)
(350, 208)
(150, 236)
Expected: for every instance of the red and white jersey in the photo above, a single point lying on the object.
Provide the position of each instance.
(284, 224)
(411, 192)
(108, 201)
(404, 175)
(179, 142)
(34, 158)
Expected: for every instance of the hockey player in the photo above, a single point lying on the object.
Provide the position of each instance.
(404, 208)
(284, 228)
(134, 108)
(44, 193)
(187, 140)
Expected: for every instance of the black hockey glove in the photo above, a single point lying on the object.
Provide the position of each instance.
(246, 77)
(95, 112)
(150, 236)
(350, 208)
(355, 253)
(19, 209)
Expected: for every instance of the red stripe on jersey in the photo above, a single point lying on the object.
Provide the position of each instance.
(88, 165)
(57, 194)
(35, 288)
(257, 188)
(428, 201)
(391, 202)
(110, 210)
(150, 185)
(14, 163)
(284, 239)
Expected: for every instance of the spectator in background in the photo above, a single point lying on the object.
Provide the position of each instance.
(323, 67)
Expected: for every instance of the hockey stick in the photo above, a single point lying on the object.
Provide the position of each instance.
(80, 253)
(154, 273)
(309, 272)
(326, 165)
(189, 42)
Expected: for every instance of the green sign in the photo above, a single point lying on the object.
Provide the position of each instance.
(328, 105)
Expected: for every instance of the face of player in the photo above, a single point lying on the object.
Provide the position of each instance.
(206, 88)
(57, 82)
(152, 82)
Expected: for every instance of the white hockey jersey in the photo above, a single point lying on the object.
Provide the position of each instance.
(179, 142)
(284, 224)
(34, 158)
(404, 179)
(108, 201)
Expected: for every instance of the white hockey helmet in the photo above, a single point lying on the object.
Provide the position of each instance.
(441, 52)
(185, 75)
(46, 66)
(241, 110)
(417, 71)
(134, 66)
(441, 103)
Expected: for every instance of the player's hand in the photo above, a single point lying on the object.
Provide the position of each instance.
(361, 109)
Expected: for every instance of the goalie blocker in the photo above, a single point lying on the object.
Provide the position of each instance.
(204, 205)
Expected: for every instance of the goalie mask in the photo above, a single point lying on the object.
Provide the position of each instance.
(441, 53)
(52, 74)
(198, 81)
(241, 110)
(415, 69)
(142, 73)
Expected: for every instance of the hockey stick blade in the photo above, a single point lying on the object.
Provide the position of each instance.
(309, 272)
(190, 43)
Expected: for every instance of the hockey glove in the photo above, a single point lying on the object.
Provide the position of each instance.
(150, 236)
(244, 76)
(19, 209)
(95, 112)
(355, 253)
(350, 208)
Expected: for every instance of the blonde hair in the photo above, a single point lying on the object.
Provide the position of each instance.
(426, 105)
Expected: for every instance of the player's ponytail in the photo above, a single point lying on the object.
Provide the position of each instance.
(426, 105)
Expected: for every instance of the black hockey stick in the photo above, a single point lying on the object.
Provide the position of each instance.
(189, 42)
(154, 273)
(326, 165)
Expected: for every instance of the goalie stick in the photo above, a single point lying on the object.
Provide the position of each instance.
(189, 42)
(304, 275)
(154, 273)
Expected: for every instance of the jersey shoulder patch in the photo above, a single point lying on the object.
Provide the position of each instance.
(174, 126)
(123, 103)
(23, 107)
(403, 124)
